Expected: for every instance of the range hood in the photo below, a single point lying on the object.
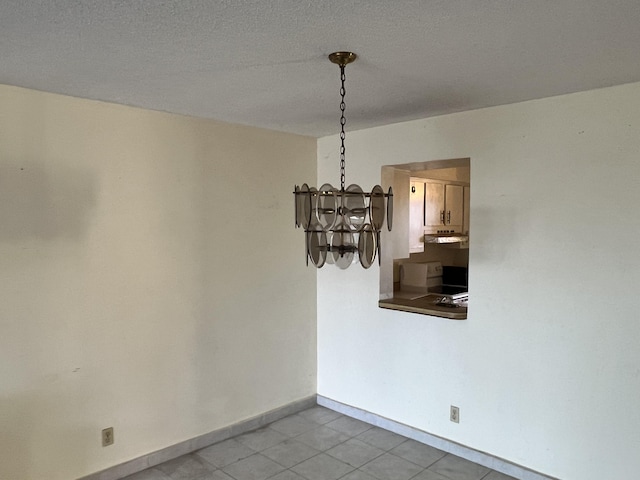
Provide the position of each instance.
(446, 238)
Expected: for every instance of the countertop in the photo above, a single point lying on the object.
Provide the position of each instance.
(424, 305)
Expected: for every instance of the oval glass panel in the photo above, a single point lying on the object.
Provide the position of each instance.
(317, 242)
(303, 206)
(309, 209)
(355, 205)
(390, 208)
(376, 207)
(296, 204)
(326, 206)
(343, 246)
(367, 246)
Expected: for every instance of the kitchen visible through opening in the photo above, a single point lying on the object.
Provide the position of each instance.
(424, 265)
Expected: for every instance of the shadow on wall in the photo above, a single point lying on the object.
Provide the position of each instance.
(45, 202)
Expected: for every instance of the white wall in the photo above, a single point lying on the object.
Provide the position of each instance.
(546, 370)
(151, 279)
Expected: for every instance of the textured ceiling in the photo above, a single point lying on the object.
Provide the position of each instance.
(263, 63)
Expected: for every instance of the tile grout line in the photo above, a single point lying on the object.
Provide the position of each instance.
(320, 452)
(326, 452)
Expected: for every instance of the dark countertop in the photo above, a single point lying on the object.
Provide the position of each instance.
(424, 305)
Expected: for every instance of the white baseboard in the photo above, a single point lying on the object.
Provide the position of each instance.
(188, 446)
(481, 458)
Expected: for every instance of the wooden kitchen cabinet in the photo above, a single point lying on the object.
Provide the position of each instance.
(454, 207)
(467, 207)
(444, 207)
(416, 215)
(434, 205)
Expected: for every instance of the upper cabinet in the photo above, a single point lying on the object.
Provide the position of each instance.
(436, 207)
(454, 207)
(444, 207)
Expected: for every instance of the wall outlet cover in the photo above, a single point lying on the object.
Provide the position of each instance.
(454, 414)
(107, 437)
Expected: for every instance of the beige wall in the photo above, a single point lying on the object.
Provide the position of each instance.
(546, 370)
(150, 280)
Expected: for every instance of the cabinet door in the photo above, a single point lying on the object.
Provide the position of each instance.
(467, 207)
(454, 204)
(416, 215)
(434, 205)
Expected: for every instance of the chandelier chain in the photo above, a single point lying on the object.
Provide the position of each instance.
(343, 120)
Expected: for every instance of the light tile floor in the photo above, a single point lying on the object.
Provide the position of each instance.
(319, 444)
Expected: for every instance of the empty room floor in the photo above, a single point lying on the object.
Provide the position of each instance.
(319, 444)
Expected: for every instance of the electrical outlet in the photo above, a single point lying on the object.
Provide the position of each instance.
(454, 414)
(107, 437)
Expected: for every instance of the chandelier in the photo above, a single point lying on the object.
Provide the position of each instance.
(342, 226)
